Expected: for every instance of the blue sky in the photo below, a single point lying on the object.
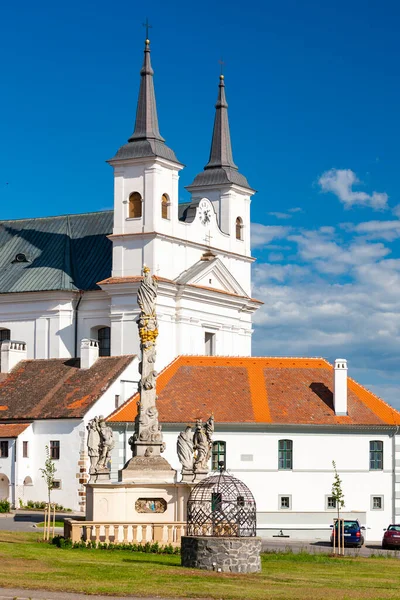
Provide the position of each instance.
(314, 95)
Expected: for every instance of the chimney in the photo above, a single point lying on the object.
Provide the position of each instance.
(340, 387)
(12, 352)
(89, 353)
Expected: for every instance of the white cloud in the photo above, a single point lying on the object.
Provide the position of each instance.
(296, 209)
(261, 235)
(340, 182)
(385, 230)
(280, 215)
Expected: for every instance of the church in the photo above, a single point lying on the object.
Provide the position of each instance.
(68, 287)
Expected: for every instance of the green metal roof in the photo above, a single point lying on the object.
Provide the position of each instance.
(69, 252)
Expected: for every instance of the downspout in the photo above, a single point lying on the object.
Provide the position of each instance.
(15, 475)
(394, 474)
(81, 292)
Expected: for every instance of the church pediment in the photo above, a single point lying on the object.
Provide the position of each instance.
(211, 274)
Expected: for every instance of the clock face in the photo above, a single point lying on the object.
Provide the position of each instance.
(204, 212)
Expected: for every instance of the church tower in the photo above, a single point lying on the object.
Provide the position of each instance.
(222, 183)
(198, 251)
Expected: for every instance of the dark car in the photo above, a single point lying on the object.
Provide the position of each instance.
(391, 537)
(352, 534)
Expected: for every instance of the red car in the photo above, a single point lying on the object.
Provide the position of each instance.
(391, 537)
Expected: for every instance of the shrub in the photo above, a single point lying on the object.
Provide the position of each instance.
(5, 506)
(154, 548)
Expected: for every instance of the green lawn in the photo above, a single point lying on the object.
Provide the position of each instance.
(56, 524)
(26, 563)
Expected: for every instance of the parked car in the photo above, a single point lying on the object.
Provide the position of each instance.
(352, 533)
(391, 537)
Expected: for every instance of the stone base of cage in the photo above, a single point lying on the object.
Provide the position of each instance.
(222, 554)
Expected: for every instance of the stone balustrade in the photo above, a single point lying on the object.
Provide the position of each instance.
(125, 533)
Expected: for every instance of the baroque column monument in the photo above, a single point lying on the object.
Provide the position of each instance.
(147, 441)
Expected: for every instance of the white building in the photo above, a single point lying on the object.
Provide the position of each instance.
(48, 402)
(280, 422)
(71, 277)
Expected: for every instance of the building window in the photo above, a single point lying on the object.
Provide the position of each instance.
(116, 400)
(57, 484)
(209, 341)
(239, 228)
(5, 334)
(165, 206)
(135, 206)
(376, 502)
(24, 449)
(4, 449)
(285, 454)
(54, 449)
(104, 338)
(285, 502)
(28, 480)
(330, 502)
(218, 456)
(376, 456)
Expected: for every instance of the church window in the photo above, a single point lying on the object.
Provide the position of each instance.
(104, 338)
(285, 502)
(24, 449)
(285, 452)
(5, 334)
(135, 206)
(376, 456)
(218, 456)
(4, 449)
(209, 340)
(165, 206)
(54, 449)
(239, 228)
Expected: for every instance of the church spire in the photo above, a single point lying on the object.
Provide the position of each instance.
(146, 139)
(220, 168)
(146, 125)
(221, 148)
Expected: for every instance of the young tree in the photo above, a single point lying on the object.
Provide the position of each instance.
(338, 494)
(48, 472)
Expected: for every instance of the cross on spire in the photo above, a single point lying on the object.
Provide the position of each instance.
(208, 239)
(222, 63)
(148, 26)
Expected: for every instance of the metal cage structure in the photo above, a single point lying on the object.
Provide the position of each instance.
(221, 506)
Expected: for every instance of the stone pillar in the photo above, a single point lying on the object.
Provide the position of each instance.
(223, 554)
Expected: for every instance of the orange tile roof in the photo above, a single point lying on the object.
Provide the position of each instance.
(258, 390)
(12, 430)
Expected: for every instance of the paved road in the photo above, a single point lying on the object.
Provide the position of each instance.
(281, 545)
(21, 594)
(26, 521)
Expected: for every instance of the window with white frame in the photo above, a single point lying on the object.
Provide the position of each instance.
(285, 502)
(330, 503)
(57, 484)
(376, 502)
(209, 343)
(4, 449)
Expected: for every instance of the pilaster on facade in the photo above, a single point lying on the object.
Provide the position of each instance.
(396, 476)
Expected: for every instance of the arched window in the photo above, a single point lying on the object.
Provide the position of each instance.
(104, 337)
(28, 480)
(285, 455)
(135, 205)
(239, 228)
(5, 334)
(165, 206)
(218, 456)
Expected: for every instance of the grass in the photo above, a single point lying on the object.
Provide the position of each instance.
(286, 576)
(56, 524)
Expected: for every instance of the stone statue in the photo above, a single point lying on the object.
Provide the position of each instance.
(202, 443)
(184, 447)
(100, 443)
(147, 294)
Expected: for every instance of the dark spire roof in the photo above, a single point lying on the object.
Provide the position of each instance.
(220, 168)
(146, 139)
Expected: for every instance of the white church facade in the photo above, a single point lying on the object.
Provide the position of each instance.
(279, 422)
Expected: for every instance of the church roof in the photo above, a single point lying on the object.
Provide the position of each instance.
(276, 391)
(220, 169)
(56, 388)
(69, 252)
(146, 140)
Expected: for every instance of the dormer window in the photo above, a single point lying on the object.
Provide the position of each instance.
(239, 228)
(20, 258)
(165, 206)
(135, 205)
